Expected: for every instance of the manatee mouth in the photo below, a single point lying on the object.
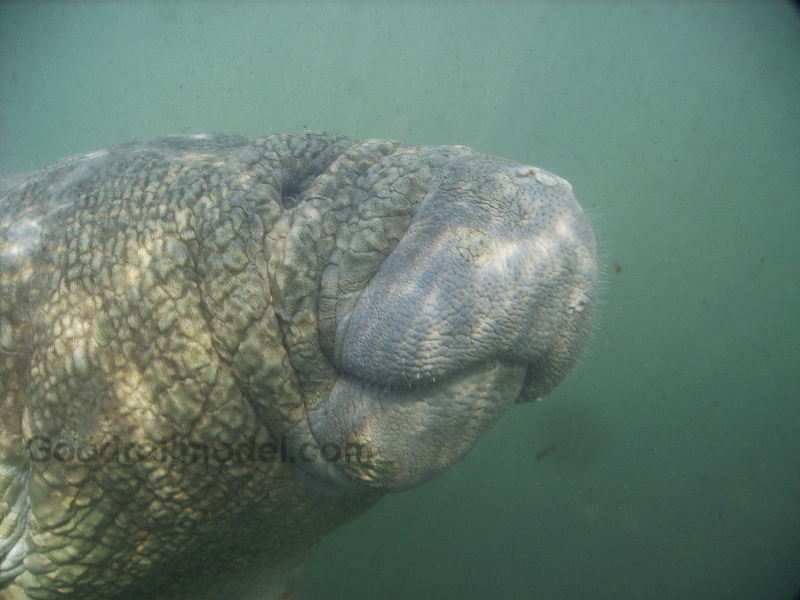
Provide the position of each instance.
(395, 437)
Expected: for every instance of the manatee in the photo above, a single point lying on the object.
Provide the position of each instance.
(215, 351)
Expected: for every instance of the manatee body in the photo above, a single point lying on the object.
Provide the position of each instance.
(214, 351)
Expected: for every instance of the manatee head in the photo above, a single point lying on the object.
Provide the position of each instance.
(486, 299)
(200, 333)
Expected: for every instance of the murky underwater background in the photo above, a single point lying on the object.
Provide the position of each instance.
(668, 464)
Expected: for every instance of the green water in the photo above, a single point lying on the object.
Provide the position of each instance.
(673, 468)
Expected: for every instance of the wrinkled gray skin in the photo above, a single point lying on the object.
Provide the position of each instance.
(349, 317)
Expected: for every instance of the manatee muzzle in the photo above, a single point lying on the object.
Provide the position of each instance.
(486, 300)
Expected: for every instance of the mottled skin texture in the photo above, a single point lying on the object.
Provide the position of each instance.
(373, 303)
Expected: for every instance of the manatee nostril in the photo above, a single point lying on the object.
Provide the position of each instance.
(543, 177)
(292, 194)
(526, 171)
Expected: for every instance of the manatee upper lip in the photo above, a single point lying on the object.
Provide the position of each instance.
(486, 300)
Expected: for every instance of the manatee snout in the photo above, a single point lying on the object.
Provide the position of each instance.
(487, 299)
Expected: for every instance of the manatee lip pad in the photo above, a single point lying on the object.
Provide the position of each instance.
(487, 298)
(371, 305)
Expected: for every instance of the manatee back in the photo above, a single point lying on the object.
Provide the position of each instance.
(132, 294)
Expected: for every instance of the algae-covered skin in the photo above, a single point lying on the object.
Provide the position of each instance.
(215, 351)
